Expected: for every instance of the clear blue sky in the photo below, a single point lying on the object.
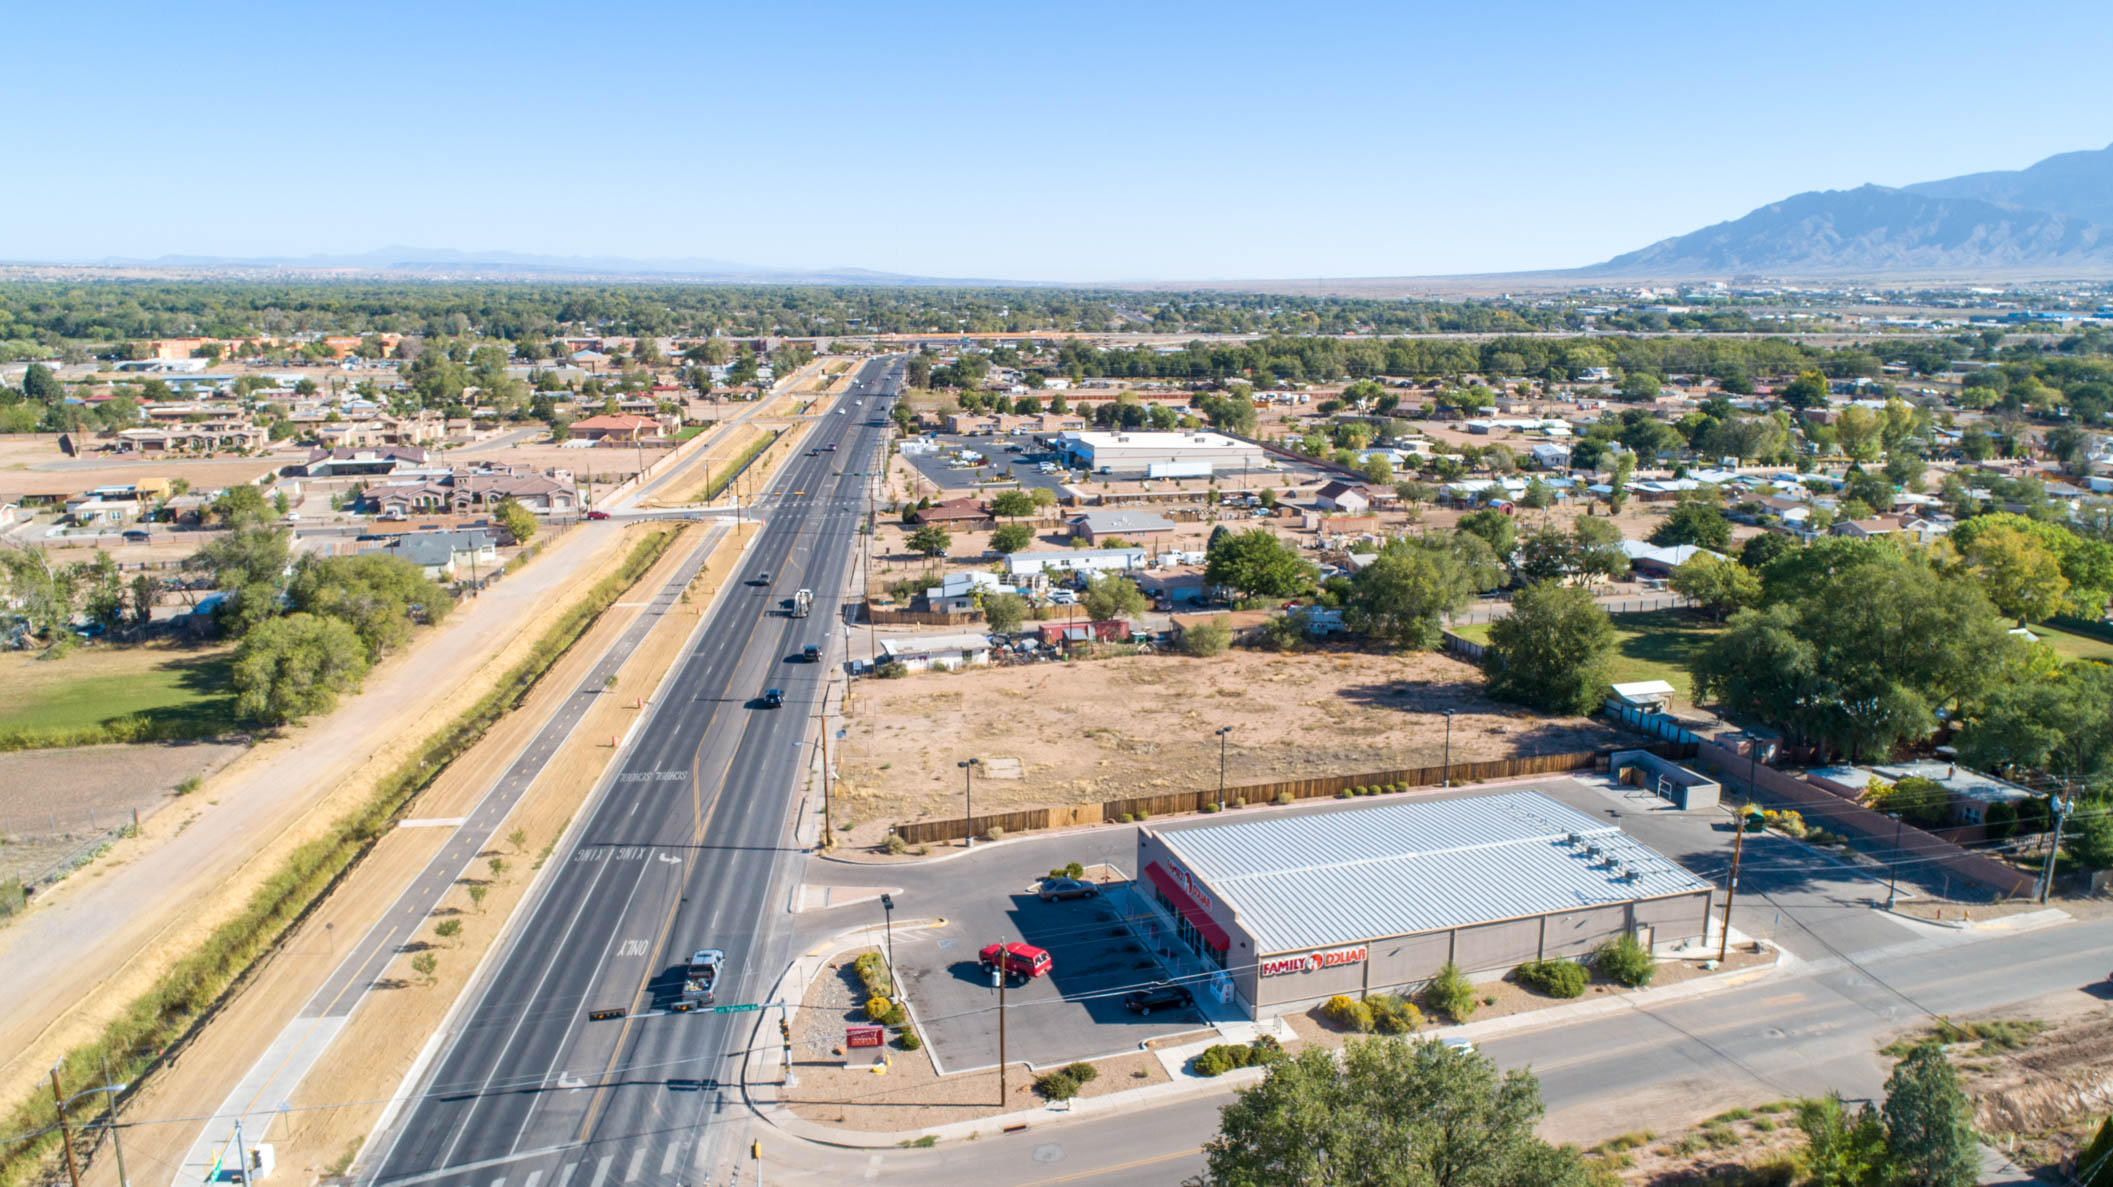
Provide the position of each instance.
(1059, 141)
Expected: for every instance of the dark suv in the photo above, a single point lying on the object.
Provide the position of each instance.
(1158, 996)
(773, 697)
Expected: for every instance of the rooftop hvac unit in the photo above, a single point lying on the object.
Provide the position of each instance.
(1570, 838)
(1592, 851)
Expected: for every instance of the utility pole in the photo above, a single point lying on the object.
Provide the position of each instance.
(73, 1171)
(2062, 808)
(1448, 748)
(821, 718)
(968, 797)
(1222, 731)
(1893, 870)
(1731, 888)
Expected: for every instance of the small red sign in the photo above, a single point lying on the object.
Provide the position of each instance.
(865, 1036)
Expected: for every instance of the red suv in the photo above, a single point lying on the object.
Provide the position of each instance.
(1024, 961)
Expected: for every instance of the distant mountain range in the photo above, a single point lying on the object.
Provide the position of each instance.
(445, 263)
(2054, 218)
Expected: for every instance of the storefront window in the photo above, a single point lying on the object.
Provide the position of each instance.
(1187, 931)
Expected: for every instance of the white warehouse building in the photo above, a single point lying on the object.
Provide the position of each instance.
(1133, 451)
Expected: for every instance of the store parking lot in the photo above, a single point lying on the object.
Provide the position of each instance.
(1074, 1012)
(942, 468)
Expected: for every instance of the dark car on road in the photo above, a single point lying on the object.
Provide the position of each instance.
(1158, 996)
(1058, 889)
(773, 697)
(811, 653)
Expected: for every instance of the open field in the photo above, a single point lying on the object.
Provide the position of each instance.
(30, 463)
(1657, 645)
(182, 690)
(2072, 645)
(1086, 731)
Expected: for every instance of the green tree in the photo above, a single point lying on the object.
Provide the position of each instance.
(1930, 1139)
(931, 540)
(1694, 523)
(1257, 563)
(1759, 550)
(1011, 537)
(241, 506)
(1395, 1111)
(1618, 484)
(1842, 1149)
(291, 667)
(1551, 652)
(2021, 576)
(42, 593)
(250, 566)
(519, 521)
(1400, 598)
(1722, 585)
(1808, 390)
(1005, 612)
(1110, 597)
(1206, 639)
(1501, 531)
(372, 593)
(1012, 504)
(2060, 721)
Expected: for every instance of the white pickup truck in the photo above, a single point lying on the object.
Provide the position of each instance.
(699, 978)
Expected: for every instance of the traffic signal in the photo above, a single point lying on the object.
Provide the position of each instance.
(755, 1151)
(785, 1031)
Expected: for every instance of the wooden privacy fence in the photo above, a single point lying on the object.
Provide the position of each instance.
(1174, 803)
(882, 616)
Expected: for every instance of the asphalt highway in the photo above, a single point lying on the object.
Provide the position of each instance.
(686, 846)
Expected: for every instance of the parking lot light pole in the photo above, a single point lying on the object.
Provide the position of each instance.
(968, 798)
(1448, 748)
(1222, 731)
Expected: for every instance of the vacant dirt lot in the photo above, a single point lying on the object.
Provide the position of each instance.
(1137, 725)
(31, 463)
(101, 787)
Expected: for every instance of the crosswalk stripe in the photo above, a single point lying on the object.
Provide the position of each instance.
(533, 1178)
(638, 1159)
(565, 1176)
(601, 1171)
(667, 1161)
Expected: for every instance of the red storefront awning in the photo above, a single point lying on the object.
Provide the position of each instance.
(1190, 909)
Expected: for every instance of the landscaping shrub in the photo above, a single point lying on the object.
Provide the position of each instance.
(1393, 1015)
(1348, 1013)
(1284, 799)
(1221, 1058)
(1056, 1085)
(1450, 994)
(1555, 978)
(1210, 806)
(1072, 870)
(1344, 794)
(1625, 961)
(996, 833)
(908, 1040)
(1082, 1073)
(877, 1008)
(872, 970)
(895, 845)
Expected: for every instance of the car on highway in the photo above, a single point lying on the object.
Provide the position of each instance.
(1160, 995)
(1056, 890)
(762, 578)
(811, 653)
(773, 698)
(135, 536)
(1021, 962)
(831, 447)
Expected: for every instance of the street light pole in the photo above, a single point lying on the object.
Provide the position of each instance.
(1222, 731)
(887, 914)
(1448, 748)
(1893, 873)
(968, 799)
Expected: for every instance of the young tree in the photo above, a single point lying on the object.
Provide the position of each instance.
(1110, 597)
(1930, 1137)
(1500, 530)
(291, 667)
(931, 540)
(1618, 485)
(1207, 639)
(1011, 537)
(1012, 504)
(241, 506)
(1005, 612)
(1394, 1111)
(1842, 1149)
(1551, 651)
(519, 521)
(1257, 563)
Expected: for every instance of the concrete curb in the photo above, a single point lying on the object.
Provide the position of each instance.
(1184, 1085)
(2005, 924)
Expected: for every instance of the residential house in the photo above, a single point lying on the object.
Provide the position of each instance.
(619, 428)
(213, 436)
(920, 653)
(95, 511)
(1341, 496)
(1036, 568)
(342, 460)
(1143, 526)
(447, 555)
(963, 592)
(1067, 635)
(1866, 529)
(1246, 625)
(1651, 560)
(964, 514)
